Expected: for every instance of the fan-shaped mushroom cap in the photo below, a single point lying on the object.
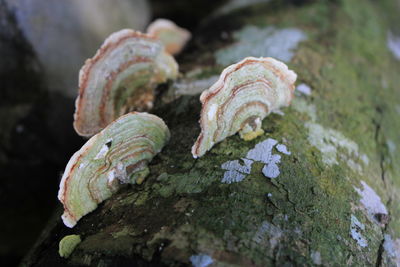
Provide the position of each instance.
(245, 94)
(121, 77)
(173, 37)
(118, 154)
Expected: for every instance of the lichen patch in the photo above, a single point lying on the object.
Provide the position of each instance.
(365, 159)
(356, 227)
(261, 42)
(301, 106)
(391, 146)
(316, 257)
(371, 201)
(303, 89)
(328, 141)
(268, 232)
(392, 249)
(393, 44)
(283, 149)
(235, 172)
(271, 169)
(262, 152)
(201, 260)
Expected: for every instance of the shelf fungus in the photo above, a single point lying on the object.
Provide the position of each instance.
(173, 37)
(117, 155)
(68, 244)
(243, 96)
(120, 78)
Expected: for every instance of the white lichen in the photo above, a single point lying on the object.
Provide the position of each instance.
(392, 249)
(393, 43)
(262, 152)
(236, 166)
(371, 201)
(355, 231)
(271, 169)
(283, 149)
(391, 146)
(316, 257)
(389, 246)
(232, 177)
(235, 172)
(201, 260)
(351, 163)
(261, 42)
(304, 89)
(365, 159)
(268, 232)
(327, 141)
(301, 106)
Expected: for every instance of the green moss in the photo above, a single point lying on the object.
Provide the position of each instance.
(125, 231)
(142, 198)
(189, 183)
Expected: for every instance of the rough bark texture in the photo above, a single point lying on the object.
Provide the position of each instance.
(313, 213)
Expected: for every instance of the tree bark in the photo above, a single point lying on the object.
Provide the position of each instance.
(336, 199)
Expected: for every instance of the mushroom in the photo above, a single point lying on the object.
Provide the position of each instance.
(173, 37)
(244, 95)
(68, 244)
(117, 155)
(120, 78)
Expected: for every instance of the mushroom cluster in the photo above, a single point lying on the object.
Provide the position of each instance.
(121, 78)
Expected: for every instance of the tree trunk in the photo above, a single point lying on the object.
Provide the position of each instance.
(335, 201)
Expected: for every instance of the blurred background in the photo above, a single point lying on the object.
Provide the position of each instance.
(43, 44)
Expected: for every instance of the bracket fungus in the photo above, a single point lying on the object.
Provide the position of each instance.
(68, 244)
(173, 37)
(117, 155)
(120, 78)
(244, 95)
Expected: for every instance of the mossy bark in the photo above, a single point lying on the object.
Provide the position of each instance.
(344, 133)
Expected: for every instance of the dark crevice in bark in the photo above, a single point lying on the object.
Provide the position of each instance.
(382, 163)
(381, 249)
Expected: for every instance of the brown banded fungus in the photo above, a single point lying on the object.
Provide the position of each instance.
(244, 95)
(173, 37)
(117, 155)
(120, 78)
